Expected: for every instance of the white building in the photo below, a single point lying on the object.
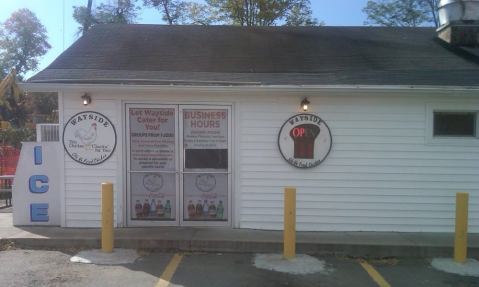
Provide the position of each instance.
(197, 112)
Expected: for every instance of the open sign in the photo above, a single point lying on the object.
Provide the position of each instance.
(305, 131)
(304, 140)
(304, 137)
(298, 132)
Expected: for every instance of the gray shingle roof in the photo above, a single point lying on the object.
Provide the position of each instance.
(157, 54)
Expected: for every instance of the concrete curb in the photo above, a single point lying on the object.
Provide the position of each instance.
(228, 246)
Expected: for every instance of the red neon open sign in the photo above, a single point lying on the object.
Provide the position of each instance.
(298, 132)
(305, 131)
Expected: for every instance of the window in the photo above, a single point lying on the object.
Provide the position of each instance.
(454, 124)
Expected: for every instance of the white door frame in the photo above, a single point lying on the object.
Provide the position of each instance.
(179, 163)
(139, 222)
(228, 172)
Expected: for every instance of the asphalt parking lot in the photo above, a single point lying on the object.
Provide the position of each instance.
(53, 268)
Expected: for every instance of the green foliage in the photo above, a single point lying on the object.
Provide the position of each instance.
(14, 137)
(235, 12)
(198, 14)
(83, 15)
(123, 12)
(301, 14)
(44, 103)
(23, 40)
(173, 11)
(13, 108)
(20, 109)
(249, 13)
(262, 12)
(401, 13)
(42, 107)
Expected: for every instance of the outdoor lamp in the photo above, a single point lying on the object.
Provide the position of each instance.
(305, 104)
(86, 99)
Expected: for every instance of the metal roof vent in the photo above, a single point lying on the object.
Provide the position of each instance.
(459, 20)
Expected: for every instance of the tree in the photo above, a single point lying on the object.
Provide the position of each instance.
(249, 13)
(232, 12)
(173, 11)
(401, 13)
(433, 5)
(83, 15)
(124, 12)
(261, 12)
(301, 14)
(23, 40)
(43, 106)
(198, 14)
(12, 101)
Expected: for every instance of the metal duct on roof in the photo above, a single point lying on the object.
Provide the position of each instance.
(458, 10)
(459, 20)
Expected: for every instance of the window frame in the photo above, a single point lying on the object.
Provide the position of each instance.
(458, 113)
(452, 139)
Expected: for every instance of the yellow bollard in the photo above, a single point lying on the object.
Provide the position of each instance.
(289, 233)
(460, 240)
(107, 217)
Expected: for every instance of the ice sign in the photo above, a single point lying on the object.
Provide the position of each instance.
(36, 194)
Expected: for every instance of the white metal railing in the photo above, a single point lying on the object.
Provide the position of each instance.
(48, 132)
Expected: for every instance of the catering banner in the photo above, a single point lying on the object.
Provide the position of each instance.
(152, 159)
(152, 139)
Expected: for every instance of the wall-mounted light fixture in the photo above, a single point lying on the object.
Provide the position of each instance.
(86, 99)
(305, 104)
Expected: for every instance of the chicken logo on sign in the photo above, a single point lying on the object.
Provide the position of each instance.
(304, 140)
(89, 138)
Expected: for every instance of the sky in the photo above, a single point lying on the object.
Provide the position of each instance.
(56, 16)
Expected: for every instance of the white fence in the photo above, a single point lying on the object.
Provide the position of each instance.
(48, 132)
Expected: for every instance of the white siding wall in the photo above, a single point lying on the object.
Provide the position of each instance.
(380, 175)
(83, 182)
